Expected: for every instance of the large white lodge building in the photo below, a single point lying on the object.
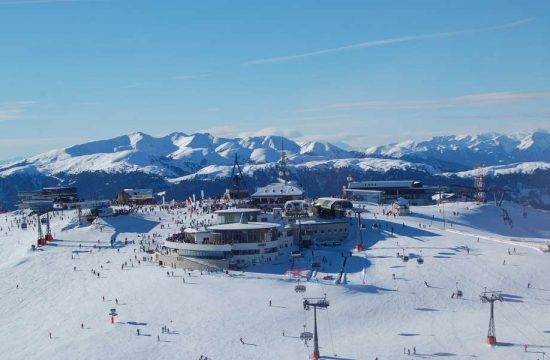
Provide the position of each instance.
(238, 240)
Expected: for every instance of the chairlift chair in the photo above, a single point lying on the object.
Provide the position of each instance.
(306, 336)
(420, 260)
(300, 288)
(405, 258)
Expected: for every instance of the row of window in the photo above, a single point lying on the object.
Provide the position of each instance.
(254, 251)
(329, 231)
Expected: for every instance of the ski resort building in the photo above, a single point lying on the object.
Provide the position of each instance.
(401, 207)
(58, 196)
(228, 244)
(414, 191)
(369, 196)
(277, 194)
(332, 207)
(234, 215)
(135, 196)
(321, 232)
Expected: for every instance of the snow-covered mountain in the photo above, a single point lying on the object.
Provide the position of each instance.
(471, 150)
(185, 163)
(173, 155)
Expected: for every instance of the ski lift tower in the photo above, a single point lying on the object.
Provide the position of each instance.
(39, 208)
(321, 303)
(490, 297)
(359, 242)
(480, 184)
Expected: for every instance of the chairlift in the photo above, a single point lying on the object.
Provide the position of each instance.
(300, 288)
(306, 336)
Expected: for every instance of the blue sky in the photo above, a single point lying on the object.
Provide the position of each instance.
(358, 72)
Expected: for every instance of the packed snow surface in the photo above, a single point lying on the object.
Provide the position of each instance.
(370, 315)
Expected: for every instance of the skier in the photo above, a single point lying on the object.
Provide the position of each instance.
(50, 334)
(241, 339)
(82, 325)
(283, 332)
(426, 283)
(137, 330)
(528, 285)
(393, 276)
(414, 350)
(269, 302)
(116, 300)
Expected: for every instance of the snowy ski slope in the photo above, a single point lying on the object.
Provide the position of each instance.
(371, 315)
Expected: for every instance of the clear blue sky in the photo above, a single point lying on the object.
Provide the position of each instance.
(359, 72)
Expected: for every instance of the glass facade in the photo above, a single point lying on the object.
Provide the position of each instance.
(248, 236)
(204, 254)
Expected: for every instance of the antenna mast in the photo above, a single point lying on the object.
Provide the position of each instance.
(237, 186)
(284, 174)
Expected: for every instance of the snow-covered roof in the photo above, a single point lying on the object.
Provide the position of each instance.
(278, 189)
(195, 231)
(237, 211)
(402, 202)
(328, 203)
(240, 226)
(318, 220)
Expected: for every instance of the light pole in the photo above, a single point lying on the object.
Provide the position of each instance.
(321, 303)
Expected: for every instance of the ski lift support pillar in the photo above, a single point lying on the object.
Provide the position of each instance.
(491, 297)
(359, 242)
(315, 303)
